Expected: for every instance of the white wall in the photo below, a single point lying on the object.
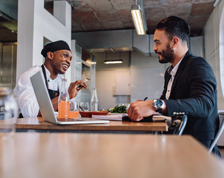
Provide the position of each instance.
(105, 79)
(146, 75)
(211, 36)
(213, 48)
(35, 23)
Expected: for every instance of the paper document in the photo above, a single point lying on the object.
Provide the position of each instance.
(114, 117)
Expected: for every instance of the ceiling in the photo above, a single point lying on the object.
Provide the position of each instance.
(95, 15)
(100, 15)
(7, 35)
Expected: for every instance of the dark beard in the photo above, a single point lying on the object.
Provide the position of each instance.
(167, 55)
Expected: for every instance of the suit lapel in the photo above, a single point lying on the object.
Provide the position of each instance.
(180, 69)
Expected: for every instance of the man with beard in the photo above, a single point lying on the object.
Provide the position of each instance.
(57, 60)
(189, 87)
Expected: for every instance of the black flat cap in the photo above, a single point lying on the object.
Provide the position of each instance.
(55, 46)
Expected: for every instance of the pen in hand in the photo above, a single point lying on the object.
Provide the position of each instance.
(145, 98)
(86, 80)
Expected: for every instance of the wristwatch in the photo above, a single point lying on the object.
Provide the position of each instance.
(158, 104)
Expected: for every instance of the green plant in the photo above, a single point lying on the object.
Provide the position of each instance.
(118, 109)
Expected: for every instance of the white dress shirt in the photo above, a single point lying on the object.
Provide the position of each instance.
(25, 94)
(172, 71)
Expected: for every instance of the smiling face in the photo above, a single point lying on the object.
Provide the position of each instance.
(162, 47)
(61, 61)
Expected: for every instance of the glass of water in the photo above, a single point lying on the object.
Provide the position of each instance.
(86, 107)
(82, 105)
(8, 113)
(73, 109)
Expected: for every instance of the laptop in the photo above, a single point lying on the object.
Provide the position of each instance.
(46, 107)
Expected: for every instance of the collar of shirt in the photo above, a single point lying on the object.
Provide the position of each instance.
(52, 84)
(48, 74)
(173, 70)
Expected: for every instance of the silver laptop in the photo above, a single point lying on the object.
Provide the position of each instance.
(46, 107)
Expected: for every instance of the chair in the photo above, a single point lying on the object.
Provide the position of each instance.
(221, 127)
(178, 123)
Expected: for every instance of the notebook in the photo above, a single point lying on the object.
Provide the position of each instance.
(46, 107)
(124, 117)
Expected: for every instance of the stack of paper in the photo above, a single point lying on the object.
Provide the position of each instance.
(114, 117)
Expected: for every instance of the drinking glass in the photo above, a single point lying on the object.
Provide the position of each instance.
(73, 109)
(8, 113)
(86, 107)
(82, 105)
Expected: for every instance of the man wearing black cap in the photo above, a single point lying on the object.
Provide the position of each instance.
(57, 60)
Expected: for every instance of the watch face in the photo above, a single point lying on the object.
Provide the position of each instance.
(159, 103)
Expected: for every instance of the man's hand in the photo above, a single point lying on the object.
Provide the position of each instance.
(73, 88)
(139, 109)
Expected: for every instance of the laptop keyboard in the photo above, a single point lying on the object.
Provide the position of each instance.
(73, 119)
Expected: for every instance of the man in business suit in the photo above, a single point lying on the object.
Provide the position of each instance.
(190, 84)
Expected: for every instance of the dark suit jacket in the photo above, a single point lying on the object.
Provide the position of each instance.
(194, 92)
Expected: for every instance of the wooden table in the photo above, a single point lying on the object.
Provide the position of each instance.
(39, 124)
(106, 155)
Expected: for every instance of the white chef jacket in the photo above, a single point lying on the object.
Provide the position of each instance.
(25, 94)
